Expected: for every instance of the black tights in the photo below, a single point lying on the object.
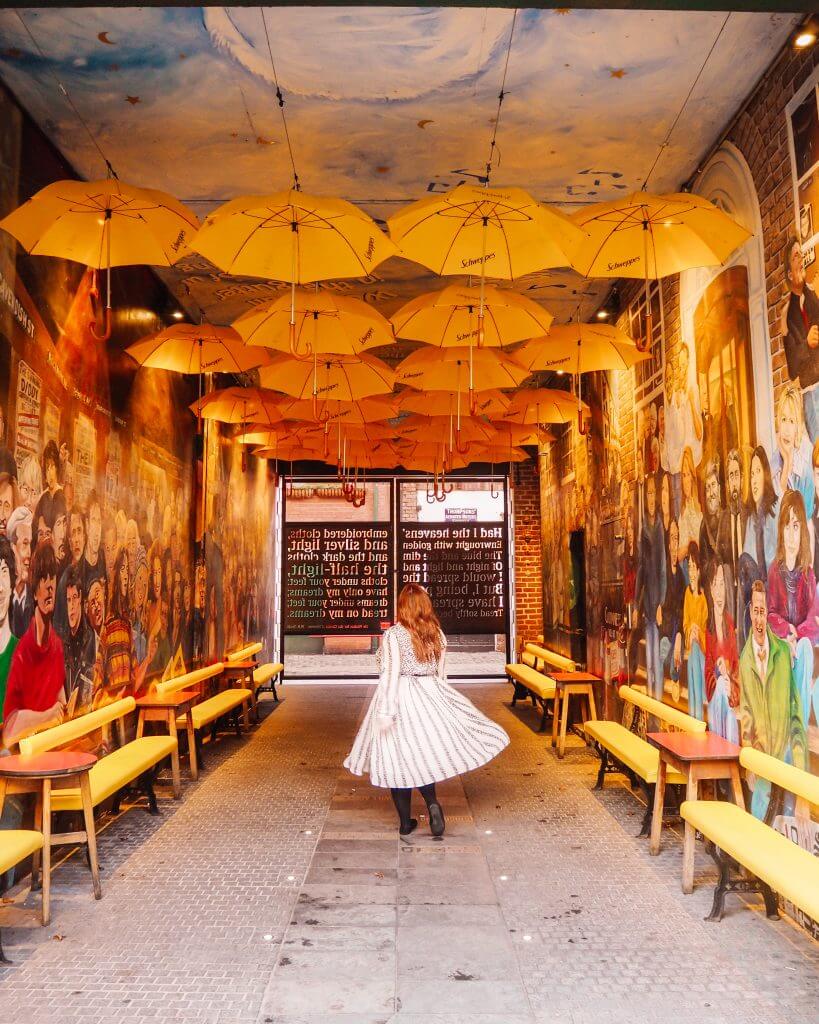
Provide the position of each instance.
(402, 798)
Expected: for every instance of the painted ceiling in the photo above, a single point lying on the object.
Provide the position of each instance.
(384, 105)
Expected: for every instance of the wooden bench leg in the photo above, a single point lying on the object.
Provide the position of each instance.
(90, 833)
(659, 804)
(543, 716)
(192, 745)
(555, 718)
(175, 772)
(650, 791)
(564, 722)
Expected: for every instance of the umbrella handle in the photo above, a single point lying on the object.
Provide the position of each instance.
(473, 403)
(430, 494)
(96, 314)
(459, 448)
(582, 426)
(495, 493)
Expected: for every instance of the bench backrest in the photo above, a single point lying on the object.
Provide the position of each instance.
(527, 658)
(551, 659)
(249, 651)
(82, 725)
(190, 679)
(671, 716)
(786, 776)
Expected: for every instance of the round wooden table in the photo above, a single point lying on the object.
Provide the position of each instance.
(39, 774)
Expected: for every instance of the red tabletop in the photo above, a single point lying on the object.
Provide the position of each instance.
(573, 677)
(702, 746)
(167, 700)
(48, 765)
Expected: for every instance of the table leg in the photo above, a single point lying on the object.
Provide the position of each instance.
(657, 813)
(691, 793)
(46, 812)
(140, 723)
(37, 856)
(555, 717)
(736, 787)
(90, 833)
(592, 704)
(564, 722)
(175, 773)
(191, 744)
(2, 794)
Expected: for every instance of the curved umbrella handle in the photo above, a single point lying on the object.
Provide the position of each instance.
(459, 448)
(96, 314)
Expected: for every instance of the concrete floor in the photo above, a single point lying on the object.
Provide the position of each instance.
(278, 891)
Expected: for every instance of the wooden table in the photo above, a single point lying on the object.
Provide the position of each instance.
(698, 756)
(166, 708)
(571, 684)
(40, 774)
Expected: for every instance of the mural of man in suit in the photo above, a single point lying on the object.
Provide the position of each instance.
(800, 333)
(770, 712)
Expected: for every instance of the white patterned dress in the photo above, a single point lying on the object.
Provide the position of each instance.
(437, 734)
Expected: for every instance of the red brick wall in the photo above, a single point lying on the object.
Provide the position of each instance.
(528, 566)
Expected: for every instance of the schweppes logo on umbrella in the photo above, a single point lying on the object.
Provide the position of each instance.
(476, 261)
(622, 264)
(326, 388)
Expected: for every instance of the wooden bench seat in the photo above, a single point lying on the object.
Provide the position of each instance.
(622, 749)
(130, 762)
(267, 675)
(777, 864)
(208, 711)
(245, 653)
(15, 845)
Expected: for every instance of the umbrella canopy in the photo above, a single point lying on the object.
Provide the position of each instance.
(197, 348)
(452, 403)
(515, 434)
(364, 410)
(429, 458)
(424, 428)
(103, 224)
(285, 431)
(289, 452)
(496, 453)
(580, 348)
(651, 236)
(239, 405)
(433, 369)
(450, 317)
(292, 236)
(501, 232)
(544, 405)
(365, 455)
(342, 378)
(315, 321)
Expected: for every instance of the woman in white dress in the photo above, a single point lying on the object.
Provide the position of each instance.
(418, 730)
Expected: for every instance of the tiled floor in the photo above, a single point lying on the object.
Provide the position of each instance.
(278, 891)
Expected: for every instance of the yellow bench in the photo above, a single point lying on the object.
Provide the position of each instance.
(632, 754)
(245, 653)
(112, 773)
(528, 679)
(777, 864)
(15, 845)
(267, 675)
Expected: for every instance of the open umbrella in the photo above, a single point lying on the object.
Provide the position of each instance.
(292, 236)
(240, 405)
(543, 405)
(333, 377)
(103, 224)
(425, 428)
(649, 236)
(445, 403)
(433, 369)
(363, 410)
(514, 434)
(450, 317)
(323, 323)
(580, 348)
(285, 431)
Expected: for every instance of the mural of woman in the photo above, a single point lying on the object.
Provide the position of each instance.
(672, 606)
(791, 462)
(760, 526)
(695, 622)
(650, 586)
(690, 520)
(51, 468)
(30, 482)
(793, 606)
(94, 557)
(139, 605)
(155, 581)
(665, 501)
(721, 659)
(110, 548)
(115, 672)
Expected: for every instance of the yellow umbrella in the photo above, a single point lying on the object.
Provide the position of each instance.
(438, 369)
(287, 430)
(496, 453)
(285, 452)
(315, 321)
(580, 348)
(444, 403)
(103, 224)
(424, 428)
(364, 410)
(196, 348)
(650, 236)
(450, 317)
(515, 434)
(337, 377)
(543, 405)
(239, 405)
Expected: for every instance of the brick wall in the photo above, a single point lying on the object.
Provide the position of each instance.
(528, 567)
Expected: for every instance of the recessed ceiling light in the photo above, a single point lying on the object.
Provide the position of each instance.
(560, 372)
(602, 314)
(177, 315)
(806, 38)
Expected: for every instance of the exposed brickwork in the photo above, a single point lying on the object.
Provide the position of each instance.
(528, 566)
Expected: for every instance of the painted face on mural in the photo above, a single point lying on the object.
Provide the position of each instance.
(718, 591)
(94, 531)
(712, 493)
(651, 497)
(759, 615)
(52, 476)
(673, 543)
(734, 482)
(787, 428)
(96, 604)
(792, 538)
(73, 601)
(110, 545)
(131, 542)
(796, 269)
(43, 531)
(693, 575)
(140, 589)
(58, 536)
(22, 551)
(757, 480)
(156, 575)
(7, 503)
(30, 483)
(687, 481)
(5, 590)
(44, 596)
(76, 536)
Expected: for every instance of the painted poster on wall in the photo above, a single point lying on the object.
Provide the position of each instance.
(802, 119)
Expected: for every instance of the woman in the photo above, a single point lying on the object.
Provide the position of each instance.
(695, 620)
(760, 525)
(793, 606)
(721, 659)
(791, 462)
(116, 673)
(691, 511)
(418, 729)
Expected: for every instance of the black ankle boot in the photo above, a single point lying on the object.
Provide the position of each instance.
(413, 825)
(436, 820)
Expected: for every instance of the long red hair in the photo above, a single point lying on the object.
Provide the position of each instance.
(417, 616)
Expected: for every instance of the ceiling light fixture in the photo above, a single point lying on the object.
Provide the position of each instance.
(805, 38)
(602, 314)
(177, 315)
